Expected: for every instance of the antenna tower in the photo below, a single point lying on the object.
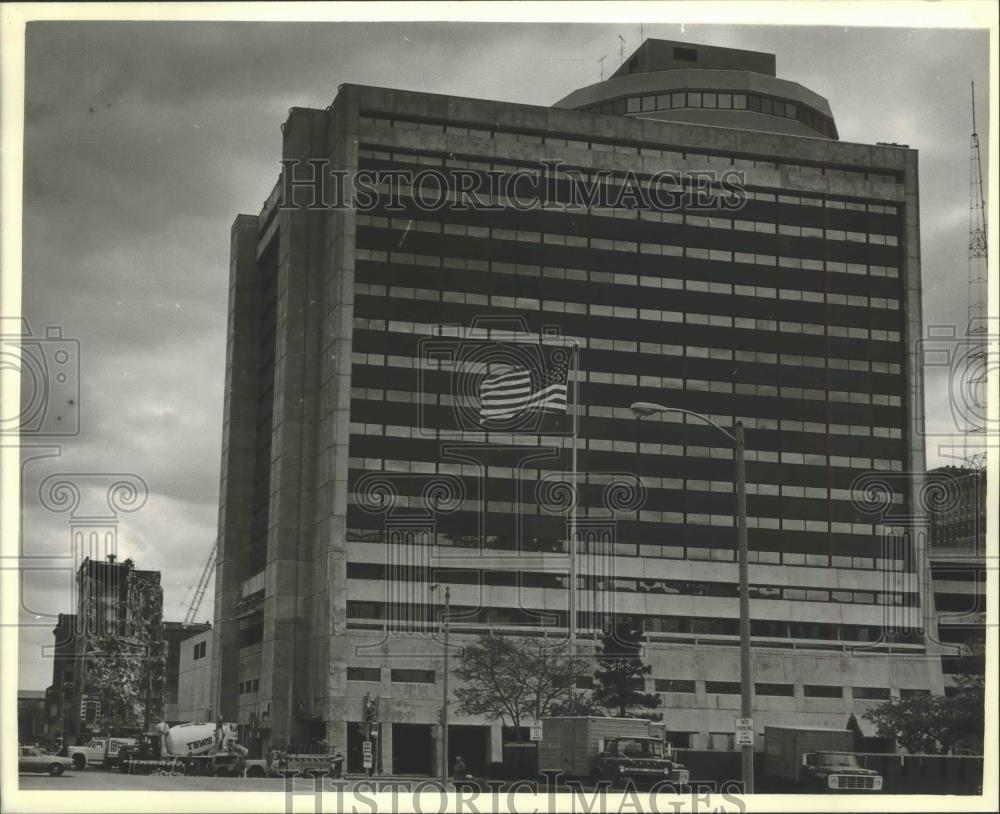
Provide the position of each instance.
(977, 326)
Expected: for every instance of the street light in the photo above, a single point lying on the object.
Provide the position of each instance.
(444, 700)
(643, 409)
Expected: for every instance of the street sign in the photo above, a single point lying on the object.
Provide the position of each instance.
(744, 731)
(374, 729)
(536, 730)
(366, 749)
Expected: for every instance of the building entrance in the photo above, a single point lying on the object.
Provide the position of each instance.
(473, 744)
(412, 749)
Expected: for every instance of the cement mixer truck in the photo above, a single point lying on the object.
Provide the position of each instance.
(191, 749)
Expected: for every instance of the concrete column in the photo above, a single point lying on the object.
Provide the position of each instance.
(236, 487)
(496, 744)
(387, 767)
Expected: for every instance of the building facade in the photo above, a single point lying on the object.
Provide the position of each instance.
(109, 657)
(194, 701)
(958, 568)
(176, 636)
(59, 694)
(31, 716)
(779, 285)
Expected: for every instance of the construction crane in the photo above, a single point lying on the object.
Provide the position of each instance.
(977, 326)
(202, 586)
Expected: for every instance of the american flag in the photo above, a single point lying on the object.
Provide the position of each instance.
(513, 390)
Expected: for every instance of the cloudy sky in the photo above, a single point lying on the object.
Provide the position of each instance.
(144, 140)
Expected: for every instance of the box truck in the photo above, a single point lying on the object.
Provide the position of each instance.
(817, 759)
(615, 749)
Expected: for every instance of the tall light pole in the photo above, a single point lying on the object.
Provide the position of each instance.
(642, 409)
(444, 699)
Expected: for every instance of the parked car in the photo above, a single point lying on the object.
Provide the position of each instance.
(33, 759)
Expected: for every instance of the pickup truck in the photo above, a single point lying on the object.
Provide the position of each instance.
(99, 751)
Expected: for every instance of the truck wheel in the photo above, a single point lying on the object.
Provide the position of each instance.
(79, 762)
(256, 771)
(56, 769)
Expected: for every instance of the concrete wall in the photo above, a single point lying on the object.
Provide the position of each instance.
(194, 696)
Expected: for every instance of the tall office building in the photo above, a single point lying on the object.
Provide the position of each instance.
(690, 232)
(958, 568)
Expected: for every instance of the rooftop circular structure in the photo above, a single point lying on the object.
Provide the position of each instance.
(701, 84)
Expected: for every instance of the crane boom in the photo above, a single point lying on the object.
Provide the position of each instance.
(199, 592)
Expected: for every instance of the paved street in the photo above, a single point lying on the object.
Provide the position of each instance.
(114, 781)
(108, 781)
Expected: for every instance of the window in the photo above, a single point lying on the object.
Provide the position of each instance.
(721, 741)
(686, 54)
(787, 690)
(871, 693)
(673, 685)
(413, 676)
(823, 691)
(250, 636)
(364, 674)
(723, 687)
(199, 650)
(912, 693)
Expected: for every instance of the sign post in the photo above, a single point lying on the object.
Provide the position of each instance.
(366, 750)
(744, 732)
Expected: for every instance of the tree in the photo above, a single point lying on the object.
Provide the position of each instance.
(515, 679)
(621, 673)
(855, 728)
(932, 724)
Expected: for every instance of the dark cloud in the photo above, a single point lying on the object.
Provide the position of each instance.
(144, 140)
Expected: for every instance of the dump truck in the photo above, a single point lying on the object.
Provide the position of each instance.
(816, 759)
(291, 763)
(100, 750)
(191, 749)
(614, 749)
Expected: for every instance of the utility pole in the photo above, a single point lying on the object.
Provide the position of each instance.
(643, 409)
(444, 703)
(746, 685)
(444, 683)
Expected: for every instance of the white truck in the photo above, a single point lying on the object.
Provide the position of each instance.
(100, 750)
(191, 749)
(817, 760)
(613, 749)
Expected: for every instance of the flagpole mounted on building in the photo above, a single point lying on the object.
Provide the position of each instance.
(573, 545)
(506, 394)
